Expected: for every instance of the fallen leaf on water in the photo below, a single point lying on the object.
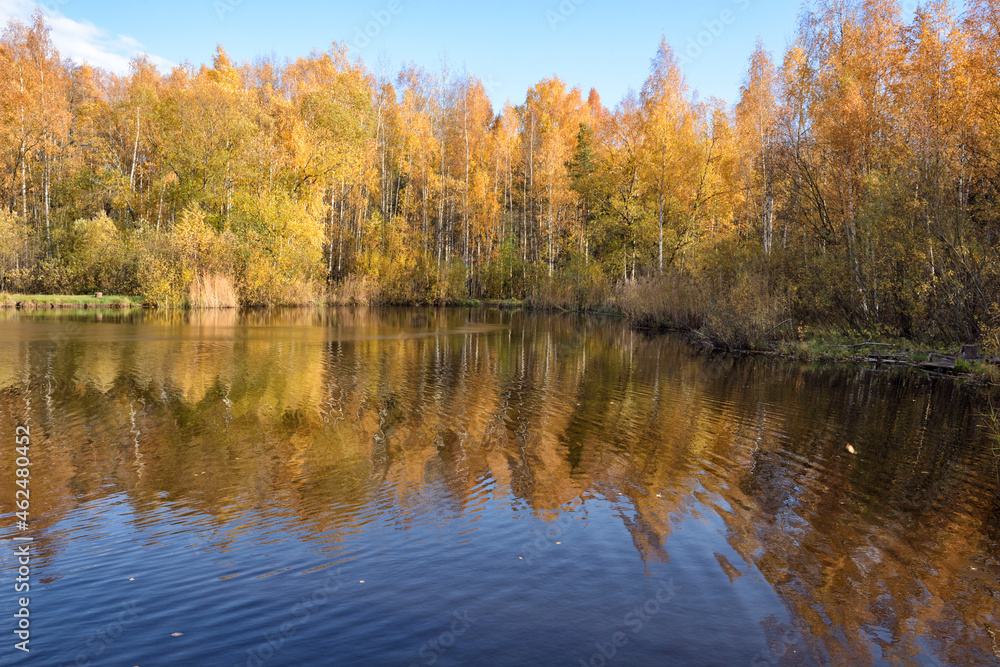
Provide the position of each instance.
(851, 449)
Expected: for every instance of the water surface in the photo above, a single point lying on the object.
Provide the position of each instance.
(422, 486)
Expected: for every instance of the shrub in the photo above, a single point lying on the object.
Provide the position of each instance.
(581, 286)
(190, 264)
(99, 259)
(14, 237)
(451, 282)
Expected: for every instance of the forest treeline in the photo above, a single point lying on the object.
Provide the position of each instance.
(853, 184)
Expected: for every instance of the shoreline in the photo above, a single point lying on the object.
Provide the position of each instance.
(883, 352)
(67, 302)
(941, 360)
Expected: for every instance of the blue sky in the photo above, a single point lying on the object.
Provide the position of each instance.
(509, 45)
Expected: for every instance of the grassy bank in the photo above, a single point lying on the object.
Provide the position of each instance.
(938, 357)
(52, 301)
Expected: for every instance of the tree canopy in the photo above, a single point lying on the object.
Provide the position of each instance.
(854, 181)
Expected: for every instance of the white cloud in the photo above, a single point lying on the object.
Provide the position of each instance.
(82, 41)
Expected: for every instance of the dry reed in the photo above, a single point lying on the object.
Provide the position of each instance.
(212, 291)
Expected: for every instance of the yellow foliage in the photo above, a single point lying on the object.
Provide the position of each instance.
(13, 243)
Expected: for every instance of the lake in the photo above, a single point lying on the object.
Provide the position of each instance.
(480, 487)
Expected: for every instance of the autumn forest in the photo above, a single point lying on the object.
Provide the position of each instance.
(853, 184)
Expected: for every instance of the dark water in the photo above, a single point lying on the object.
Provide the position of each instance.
(482, 488)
